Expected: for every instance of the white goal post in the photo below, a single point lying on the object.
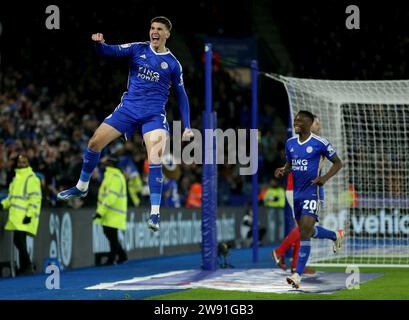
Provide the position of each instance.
(368, 124)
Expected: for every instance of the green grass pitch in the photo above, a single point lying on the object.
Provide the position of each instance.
(370, 260)
(393, 285)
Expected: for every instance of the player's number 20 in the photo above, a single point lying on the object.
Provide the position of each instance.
(310, 205)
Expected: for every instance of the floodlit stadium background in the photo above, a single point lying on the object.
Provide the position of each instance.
(55, 90)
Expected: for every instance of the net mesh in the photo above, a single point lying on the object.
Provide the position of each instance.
(367, 123)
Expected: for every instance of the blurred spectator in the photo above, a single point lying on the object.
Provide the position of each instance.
(130, 170)
(246, 229)
(274, 197)
(194, 197)
(171, 174)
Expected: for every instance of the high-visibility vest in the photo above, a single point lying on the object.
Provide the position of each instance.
(23, 200)
(112, 199)
(194, 198)
(349, 199)
(274, 198)
(134, 187)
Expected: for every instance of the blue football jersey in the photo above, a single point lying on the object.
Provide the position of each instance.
(151, 75)
(306, 161)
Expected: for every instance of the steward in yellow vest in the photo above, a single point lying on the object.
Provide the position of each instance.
(112, 207)
(274, 197)
(24, 205)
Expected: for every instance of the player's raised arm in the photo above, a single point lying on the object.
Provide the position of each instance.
(121, 50)
(177, 80)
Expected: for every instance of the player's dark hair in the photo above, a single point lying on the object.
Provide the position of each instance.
(307, 114)
(164, 20)
(315, 116)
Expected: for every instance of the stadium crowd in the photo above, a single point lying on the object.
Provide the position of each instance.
(53, 125)
(51, 102)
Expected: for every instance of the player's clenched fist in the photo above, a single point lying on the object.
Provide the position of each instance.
(187, 134)
(98, 37)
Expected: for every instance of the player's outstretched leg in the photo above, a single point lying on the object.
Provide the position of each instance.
(337, 237)
(322, 233)
(338, 242)
(155, 190)
(279, 253)
(303, 255)
(90, 161)
(102, 136)
(279, 260)
(155, 142)
(296, 249)
(306, 229)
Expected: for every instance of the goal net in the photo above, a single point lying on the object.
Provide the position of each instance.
(368, 124)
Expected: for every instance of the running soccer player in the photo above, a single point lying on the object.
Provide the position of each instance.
(293, 237)
(304, 155)
(153, 68)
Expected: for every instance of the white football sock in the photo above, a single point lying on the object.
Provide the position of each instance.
(82, 185)
(155, 209)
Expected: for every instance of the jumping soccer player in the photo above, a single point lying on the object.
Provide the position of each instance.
(304, 155)
(293, 237)
(153, 68)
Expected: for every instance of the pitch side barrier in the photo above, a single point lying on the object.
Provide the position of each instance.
(68, 237)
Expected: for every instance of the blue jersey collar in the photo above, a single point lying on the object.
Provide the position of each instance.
(301, 143)
(159, 53)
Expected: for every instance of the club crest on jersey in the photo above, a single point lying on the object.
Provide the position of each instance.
(163, 65)
(309, 149)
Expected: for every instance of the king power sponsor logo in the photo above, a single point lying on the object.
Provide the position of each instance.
(299, 164)
(378, 222)
(147, 74)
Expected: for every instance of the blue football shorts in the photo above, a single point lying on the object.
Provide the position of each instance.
(307, 205)
(128, 122)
